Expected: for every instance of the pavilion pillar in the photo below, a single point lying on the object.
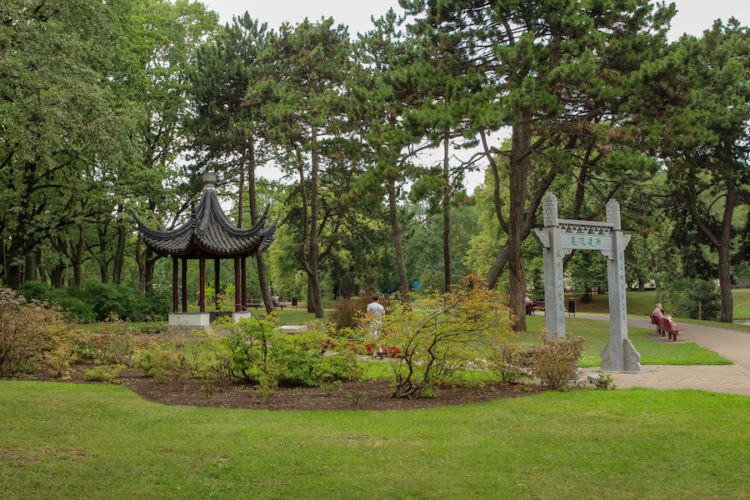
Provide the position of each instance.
(203, 284)
(175, 283)
(217, 274)
(184, 285)
(237, 305)
(243, 271)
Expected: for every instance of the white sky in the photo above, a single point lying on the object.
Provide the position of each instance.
(693, 17)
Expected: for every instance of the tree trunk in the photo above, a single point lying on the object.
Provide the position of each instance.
(721, 243)
(151, 260)
(102, 258)
(310, 308)
(519, 167)
(242, 191)
(119, 251)
(396, 234)
(57, 275)
(447, 215)
(254, 216)
(78, 258)
(30, 272)
(725, 275)
(312, 248)
(14, 275)
(140, 259)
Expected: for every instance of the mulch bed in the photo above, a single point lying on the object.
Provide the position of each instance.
(369, 395)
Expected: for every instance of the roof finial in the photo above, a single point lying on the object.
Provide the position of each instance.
(209, 181)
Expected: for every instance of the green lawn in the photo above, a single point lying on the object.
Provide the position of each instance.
(642, 303)
(741, 301)
(75, 440)
(596, 334)
(295, 316)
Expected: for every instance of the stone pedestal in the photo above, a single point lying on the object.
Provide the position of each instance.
(293, 328)
(237, 316)
(190, 319)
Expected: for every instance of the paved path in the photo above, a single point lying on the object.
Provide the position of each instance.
(731, 344)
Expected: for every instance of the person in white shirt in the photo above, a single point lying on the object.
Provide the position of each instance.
(377, 311)
(375, 308)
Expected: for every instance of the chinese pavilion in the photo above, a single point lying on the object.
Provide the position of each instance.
(208, 234)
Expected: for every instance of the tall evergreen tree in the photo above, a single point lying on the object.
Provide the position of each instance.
(227, 132)
(302, 105)
(704, 137)
(541, 61)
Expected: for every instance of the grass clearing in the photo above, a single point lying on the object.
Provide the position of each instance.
(596, 334)
(741, 301)
(68, 440)
(642, 303)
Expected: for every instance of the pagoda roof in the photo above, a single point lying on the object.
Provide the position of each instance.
(209, 233)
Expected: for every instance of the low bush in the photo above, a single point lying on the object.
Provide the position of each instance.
(347, 313)
(258, 353)
(122, 301)
(74, 306)
(35, 337)
(104, 373)
(162, 359)
(510, 363)
(603, 381)
(98, 301)
(443, 334)
(556, 362)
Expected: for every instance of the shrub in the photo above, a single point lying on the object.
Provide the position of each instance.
(260, 354)
(123, 301)
(682, 298)
(556, 362)
(98, 301)
(348, 313)
(510, 363)
(163, 359)
(34, 337)
(104, 373)
(442, 334)
(603, 381)
(74, 306)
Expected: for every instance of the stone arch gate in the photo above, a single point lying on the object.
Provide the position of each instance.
(561, 236)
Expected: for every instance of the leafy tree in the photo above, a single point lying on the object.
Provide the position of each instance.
(60, 120)
(547, 66)
(302, 107)
(227, 131)
(381, 100)
(705, 136)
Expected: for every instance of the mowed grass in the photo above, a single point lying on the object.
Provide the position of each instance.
(95, 441)
(741, 302)
(642, 303)
(597, 334)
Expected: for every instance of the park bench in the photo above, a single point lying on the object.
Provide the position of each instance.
(253, 303)
(665, 325)
(537, 306)
(655, 321)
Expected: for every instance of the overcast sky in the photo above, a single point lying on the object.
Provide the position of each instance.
(693, 17)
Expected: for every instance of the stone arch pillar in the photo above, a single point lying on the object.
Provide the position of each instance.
(561, 236)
